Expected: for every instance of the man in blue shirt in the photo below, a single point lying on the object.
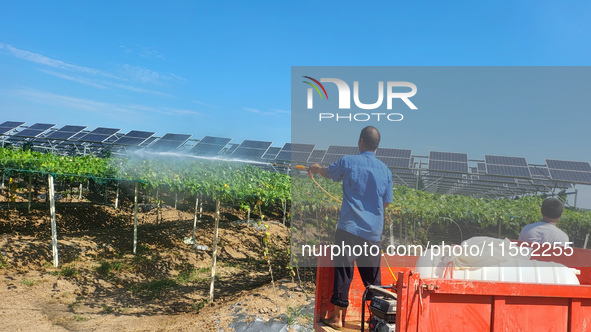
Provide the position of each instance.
(367, 191)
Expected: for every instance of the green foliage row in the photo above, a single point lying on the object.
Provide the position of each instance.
(64, 166)
(245, 184)
(425, 208)
(230, 182)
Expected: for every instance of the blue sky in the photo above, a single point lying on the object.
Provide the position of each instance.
(223, 69)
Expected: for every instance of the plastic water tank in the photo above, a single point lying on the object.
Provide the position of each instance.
(509, 270)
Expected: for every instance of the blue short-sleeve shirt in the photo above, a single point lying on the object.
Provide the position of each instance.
(367, 185)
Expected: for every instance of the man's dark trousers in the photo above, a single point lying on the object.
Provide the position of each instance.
(369, 266)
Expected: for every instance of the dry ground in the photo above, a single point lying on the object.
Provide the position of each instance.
(101, 286)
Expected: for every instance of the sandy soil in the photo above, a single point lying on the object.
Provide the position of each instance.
(101, 286)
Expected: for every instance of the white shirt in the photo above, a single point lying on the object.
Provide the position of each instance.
(543, 232)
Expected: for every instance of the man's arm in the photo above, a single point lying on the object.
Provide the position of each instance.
(317, 169)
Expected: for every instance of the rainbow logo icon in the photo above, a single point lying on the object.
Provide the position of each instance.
(316, 87)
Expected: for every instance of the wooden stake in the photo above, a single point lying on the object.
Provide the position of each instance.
(284, 210)
(117, 197)
(53, 223)
(135, 220)
(195, 219)
(248, 216)
(391, 233)
(586, 240)
(30, 188)
(158, 202)
(200, 210)
(215, 248)
(80, 192)
(176, 198)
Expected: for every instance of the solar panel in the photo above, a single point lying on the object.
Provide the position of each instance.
(251, 149)
(508, 166)
(65, 132)
(35, 130)
(99, 135)
(572, 171)
(170, 142)
(449, 166)
(335, 152)
(448, 156)
(271, 153)
(9, 125)
(215, 140)
(568, 165)
(393, 153)
(249, 144)
(295, 152)
(474, 170)
(506, 161)
(508, 170)
(134, 138)
(316, 156)
(481, 168)
(571, 176)
(394, 157)
(210, 145)
(539, 172)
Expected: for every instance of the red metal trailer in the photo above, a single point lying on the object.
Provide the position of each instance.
(429, 304)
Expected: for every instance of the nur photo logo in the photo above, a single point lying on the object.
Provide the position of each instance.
(392, 92)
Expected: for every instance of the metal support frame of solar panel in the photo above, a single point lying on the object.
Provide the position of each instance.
(507, 166)
(316, 156)
(251, 149)
(170, 142)
(335, 152)
(271, 153)
(148, 142)
(70, 146)
(231, 148)
(134, 138)
(210, 145)
(571, 171)
(295, 152)
(394, 158)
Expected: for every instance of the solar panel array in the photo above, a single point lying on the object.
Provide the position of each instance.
(443, 172)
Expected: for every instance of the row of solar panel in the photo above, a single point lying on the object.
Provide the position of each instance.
(448, 162)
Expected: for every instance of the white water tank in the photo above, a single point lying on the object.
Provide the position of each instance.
(508, 269)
